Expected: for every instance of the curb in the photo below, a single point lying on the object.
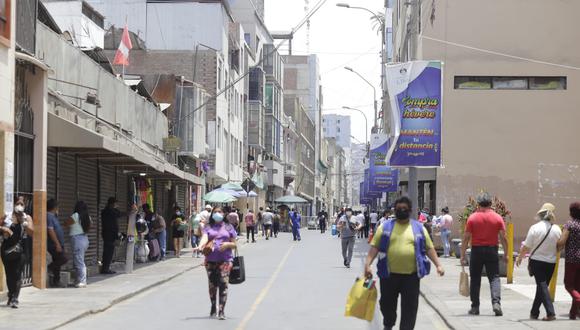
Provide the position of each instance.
(128, 296)
(441, 309)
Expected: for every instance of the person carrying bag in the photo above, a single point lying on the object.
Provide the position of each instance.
(238, 272)
(362, 299)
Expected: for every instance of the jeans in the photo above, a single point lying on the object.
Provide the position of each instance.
(296, 232)
(162, 238)
(194, 240)
(13, 271)
(347, 247)
(445, 233)
(80, 244)
(408, 287)
(484, 256)
(542, 274)
(572, 284)
(250, 230)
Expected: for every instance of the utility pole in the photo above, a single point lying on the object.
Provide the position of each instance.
(414, 38)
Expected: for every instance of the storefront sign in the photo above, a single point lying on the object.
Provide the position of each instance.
(171, 144)
(415, 95)
(382, 178)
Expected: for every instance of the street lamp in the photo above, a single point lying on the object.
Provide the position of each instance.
(366, 122)
(346, 5)
(374, 93)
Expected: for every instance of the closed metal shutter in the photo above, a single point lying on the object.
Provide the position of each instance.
(66, 192)
(51, 173)
(88, 187)
(107, 189)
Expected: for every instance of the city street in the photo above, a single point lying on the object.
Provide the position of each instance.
(289, 285)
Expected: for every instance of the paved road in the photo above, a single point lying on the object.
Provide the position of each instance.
(289, 285)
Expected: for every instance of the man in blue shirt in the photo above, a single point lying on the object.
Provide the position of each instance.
(55, 242)
(295, 221)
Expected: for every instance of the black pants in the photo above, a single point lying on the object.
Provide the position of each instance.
(408, 287)
(108, 252)
(13, 276)
(542, 274)
(250, 229)
(322, 225)
(276, 228)
(58, 259)
(484, 256)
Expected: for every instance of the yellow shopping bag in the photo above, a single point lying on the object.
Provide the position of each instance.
(362, 299)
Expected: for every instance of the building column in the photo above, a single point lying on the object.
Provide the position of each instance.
(37, 83)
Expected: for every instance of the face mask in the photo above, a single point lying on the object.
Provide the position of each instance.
(19, 208)
(348, 213)
(218, 217)
(178, 213)
(402, 214)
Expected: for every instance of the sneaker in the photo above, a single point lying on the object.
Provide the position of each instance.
(81, 285)
(212, 312)
(497, 309)
(473, 311)
(14, 303)
(347, 265)
(222, 316)
(534, 317)
(9, 302)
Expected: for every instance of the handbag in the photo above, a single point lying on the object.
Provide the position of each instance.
(530, 272)
(208, 248)
(362, 299)
(14, 252)
(238, 272)
(463, 282)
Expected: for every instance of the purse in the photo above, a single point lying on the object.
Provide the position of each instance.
(208, 248)
(14, 252)
(530, 272)
(238, 272)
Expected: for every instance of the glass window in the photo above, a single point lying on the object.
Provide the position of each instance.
(5, 19)
(546, 83)
(464, 82)
(510, 83)
(269, 96)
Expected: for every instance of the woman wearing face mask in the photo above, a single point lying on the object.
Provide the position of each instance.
(13, 227)
(218, 262)
(178, 229)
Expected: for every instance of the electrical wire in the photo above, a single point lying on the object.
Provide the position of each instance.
(232, 84)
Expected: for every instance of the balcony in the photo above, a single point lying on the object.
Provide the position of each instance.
(289, 171)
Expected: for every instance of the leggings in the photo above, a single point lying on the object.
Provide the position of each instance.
(13, 276)
(252, 230)
(218, 274)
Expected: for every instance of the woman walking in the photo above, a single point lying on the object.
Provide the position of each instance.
(217, 243)
(178, 230)
(13, 228)
(79, 225)
(250, 220)
(445, 228)
(542, 240)
(571, 241)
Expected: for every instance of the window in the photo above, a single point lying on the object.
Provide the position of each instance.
(510, 83)
(5, 22)
(248, 38)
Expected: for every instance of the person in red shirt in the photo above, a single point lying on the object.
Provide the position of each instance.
(484, 229)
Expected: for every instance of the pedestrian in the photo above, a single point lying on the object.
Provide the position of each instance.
(445, 225)
(571, 241)
(250, 220)
(360, 216)
(260, 223)
(178, 230)
(54, 243)
(110, 233)
(482, 230)
(403, 246)
(366, 224)
(233, 218)
(195, 227)
(322, 218)
(374, 219)
(348, 226)
(295, 220)
(276, 224)
(205, 215)
(159, 228)
(268, 219)
(218, 262)
(542, 241)
(385, 217)
(13, 228)
(79, 225)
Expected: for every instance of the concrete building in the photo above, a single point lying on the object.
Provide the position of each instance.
(302, 80)
(337, 127)
(358, 154)
(509, 119)
(336, 180)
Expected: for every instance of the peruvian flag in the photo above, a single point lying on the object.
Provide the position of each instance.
(122, 55)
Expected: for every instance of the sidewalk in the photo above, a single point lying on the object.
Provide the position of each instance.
(443, 294)
(52, 308)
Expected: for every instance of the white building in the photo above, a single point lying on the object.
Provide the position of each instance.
(337, 127)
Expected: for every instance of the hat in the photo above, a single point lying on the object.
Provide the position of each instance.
(547, 211)
(207, 206)
(268, 209)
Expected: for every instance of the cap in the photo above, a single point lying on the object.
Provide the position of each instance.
(207, 206)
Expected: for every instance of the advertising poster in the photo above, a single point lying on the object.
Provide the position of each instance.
(382, 178)
(415, 95)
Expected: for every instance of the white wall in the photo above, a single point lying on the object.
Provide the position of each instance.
(84, 32)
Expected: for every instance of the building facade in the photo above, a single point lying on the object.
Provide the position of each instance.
(337, 127)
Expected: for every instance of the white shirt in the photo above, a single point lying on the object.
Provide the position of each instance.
(374, 217)
(547, 251)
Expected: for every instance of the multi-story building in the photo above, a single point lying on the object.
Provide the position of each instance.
(337, 127)
(508, 124)
(335, 181)
(302, 80)
(358, 157)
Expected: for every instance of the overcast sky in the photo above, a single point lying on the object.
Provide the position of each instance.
(340, 37)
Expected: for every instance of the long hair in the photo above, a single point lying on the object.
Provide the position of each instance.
(83, 211)
(214, 210)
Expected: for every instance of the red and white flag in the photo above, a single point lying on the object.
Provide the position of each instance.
(122, 55)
